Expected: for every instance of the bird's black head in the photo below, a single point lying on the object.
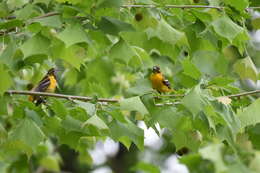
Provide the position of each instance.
(156, 69)
(53, 72)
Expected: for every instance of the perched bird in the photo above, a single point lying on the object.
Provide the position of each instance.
(158, 81)
(47, 84)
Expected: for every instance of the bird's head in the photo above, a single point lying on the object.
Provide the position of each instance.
(53, 72)
(156, 69)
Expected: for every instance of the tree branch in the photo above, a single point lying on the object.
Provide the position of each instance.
(69, 97)
(171, 6)
(243, 94)
(47, 15)
(110, 100)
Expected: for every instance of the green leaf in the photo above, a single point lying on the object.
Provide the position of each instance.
(72, 124)
(121, 51)
(52, 21)
(213, 153)
(126, 132)
(17, 3)
(228, 119)
(133, 104)
(179, 124)
(75, 55)
(210, 62)
(141, 87)
(90, 108)
(59, 108)
(254, 164)
(50, 163)
(73, 34)
(254, 135)
(113, 26)
(256, 23)
(246, 69)
(25, 13)
(100, 84)
(8, 53)
(110, 3)
(190, 69)
(36, 45)
(194, 100)
(3, 102)
(3, 9)
(97, 122)
(117, 115)
(221, 81)
(250, 115)
(42, 1)
(226, 28)
(28, 133)
(146, 167)
(6, 80)
(238, 4)
(34, 116)
(167, 33)
(3, 134)
(11, 24)
(196, 164)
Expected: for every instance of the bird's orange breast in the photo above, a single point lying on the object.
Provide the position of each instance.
(53, 84)
(156, 80)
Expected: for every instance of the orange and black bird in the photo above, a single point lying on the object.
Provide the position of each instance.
(158, 81)
(47, 84)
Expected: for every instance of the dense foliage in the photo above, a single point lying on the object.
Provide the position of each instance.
(104, 49)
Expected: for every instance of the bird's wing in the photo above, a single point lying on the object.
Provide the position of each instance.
(167, 83)
(43, 85)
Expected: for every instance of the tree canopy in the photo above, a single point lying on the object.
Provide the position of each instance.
(106, 49)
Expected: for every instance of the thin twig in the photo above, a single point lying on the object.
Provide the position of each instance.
(47, 15)
(253, 8)
(171, 6)
(69, 97)
(167, 104)
(109, 100)
(173, 95)
(169, 95)
(244, 94)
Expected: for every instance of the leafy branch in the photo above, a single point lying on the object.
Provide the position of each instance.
(143, 6)
(127, 6)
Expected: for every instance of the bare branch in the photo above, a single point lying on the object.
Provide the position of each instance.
(69, 97)
(47, 15)
(171, 6)
(110, 100)
(167, 104)
(244, 94)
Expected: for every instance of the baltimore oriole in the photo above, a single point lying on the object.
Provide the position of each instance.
(158, 81)
(47, 84)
